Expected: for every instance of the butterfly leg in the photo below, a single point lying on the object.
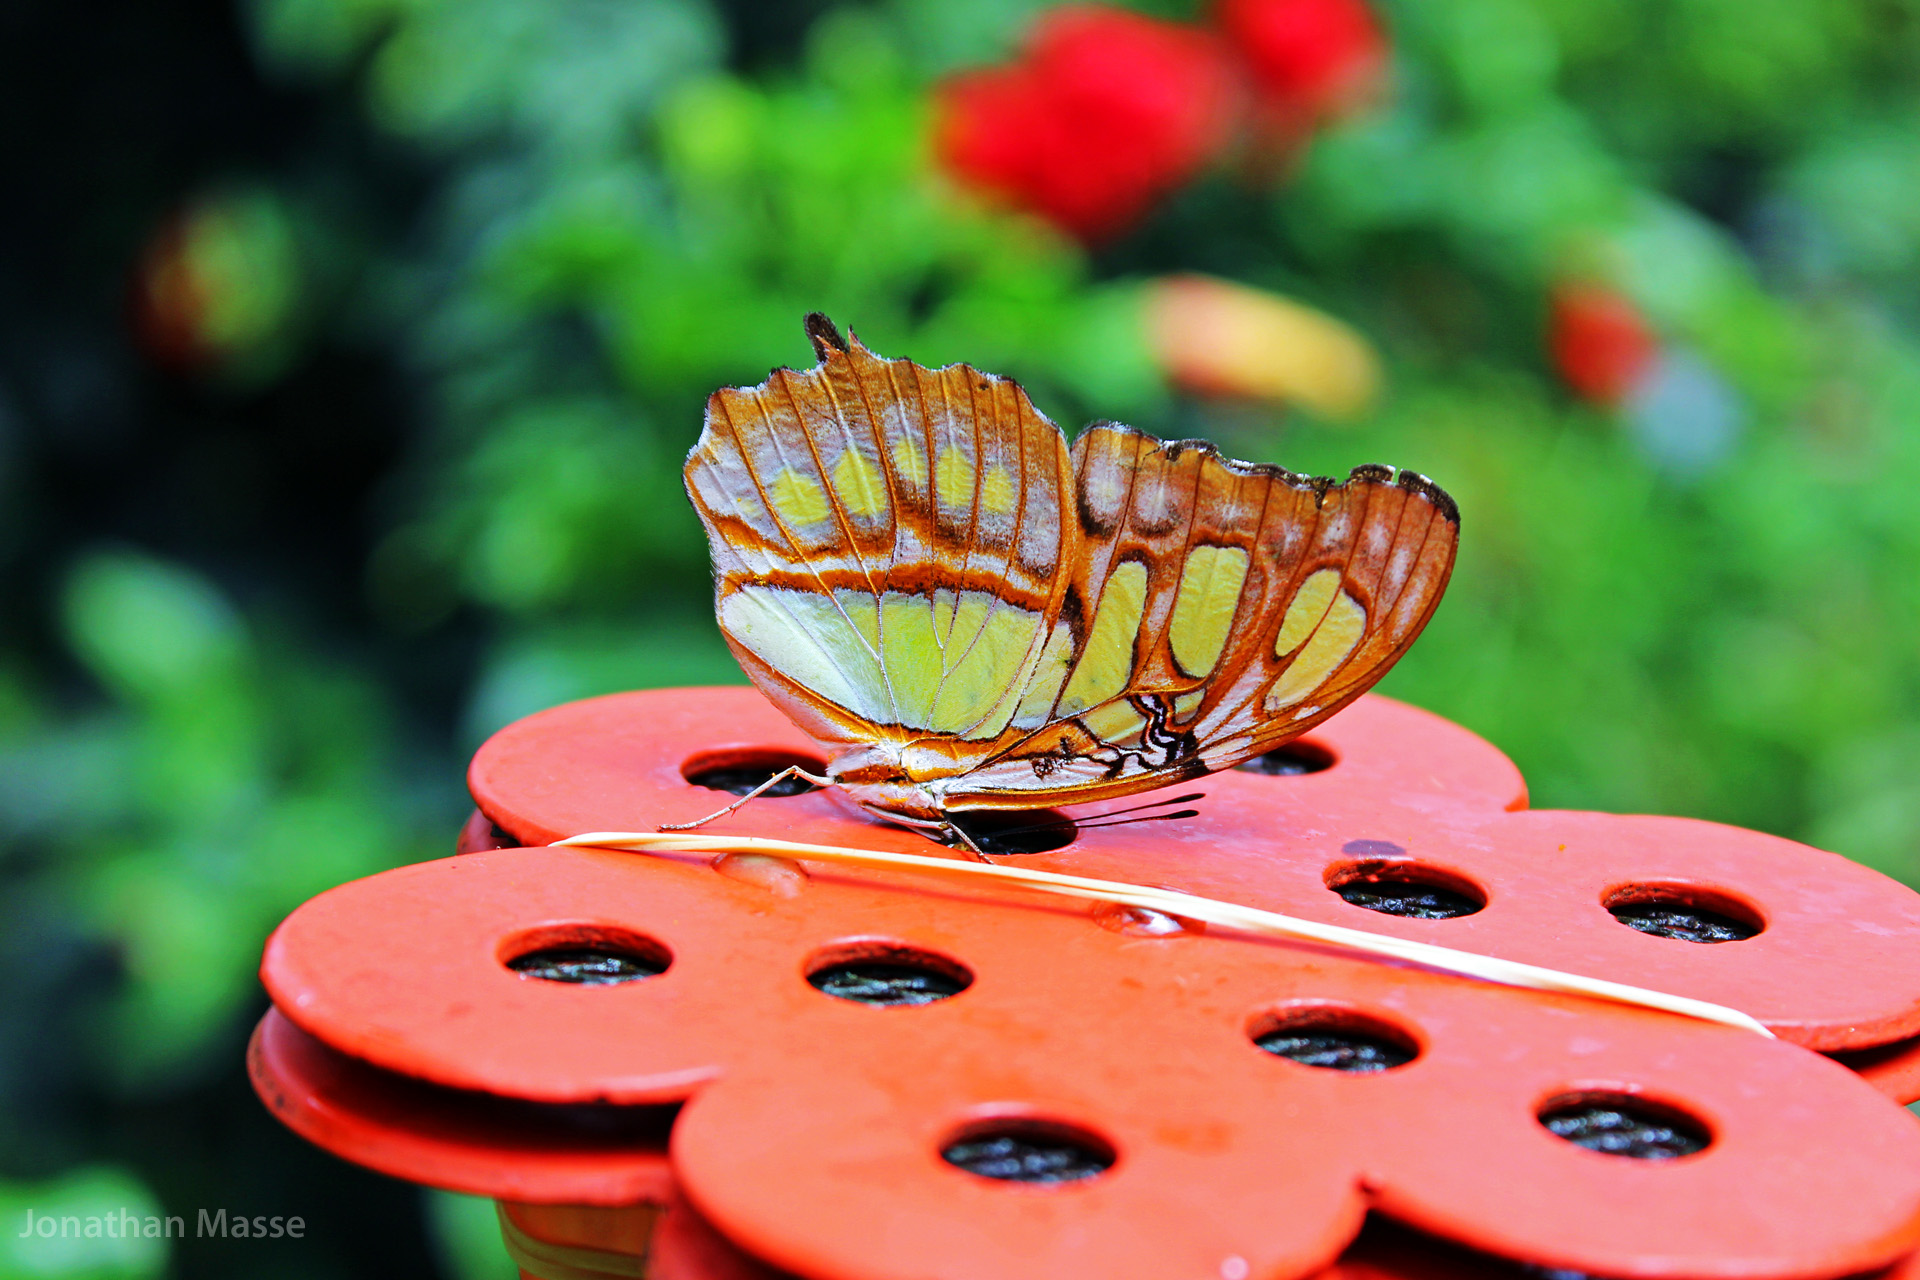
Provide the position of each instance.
(794, 771)
(940, 830)
(960, 837)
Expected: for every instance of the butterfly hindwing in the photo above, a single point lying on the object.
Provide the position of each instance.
(1232, 607)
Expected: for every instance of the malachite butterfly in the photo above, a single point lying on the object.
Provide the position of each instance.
(968, 614)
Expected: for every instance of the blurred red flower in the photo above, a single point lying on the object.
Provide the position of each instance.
(1106, 111)
(218, 281)
(1308, 59)
(1600, 343)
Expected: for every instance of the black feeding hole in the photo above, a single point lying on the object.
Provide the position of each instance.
(1016, 831)
(1335, 1039)
(586, 955)
(1619, 1125)
(883, 974)
(739, 772)
(1404, 888)
(1289, 761)
(1688, 915)
(1029, 1151)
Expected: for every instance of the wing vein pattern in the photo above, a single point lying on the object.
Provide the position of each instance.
(968, 615)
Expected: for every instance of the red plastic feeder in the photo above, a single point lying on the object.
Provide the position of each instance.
(688, 1066)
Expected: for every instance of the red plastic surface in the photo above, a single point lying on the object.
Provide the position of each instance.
(458, 1143)
(377, 1120)
(815, 1125)
(1894, 1069)
(479, 832)
(408, 1130)
(616, 763)
(686, 1246)
(480, 1144)
(1837, 965)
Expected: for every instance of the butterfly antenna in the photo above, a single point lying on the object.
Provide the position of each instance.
(825, 337)
(1093, 820)
(1146, 817)
(1188, 798)
(794, 771)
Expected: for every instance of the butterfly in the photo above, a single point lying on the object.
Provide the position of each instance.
(969, 615)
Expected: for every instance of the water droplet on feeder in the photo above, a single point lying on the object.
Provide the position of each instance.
(782, 877)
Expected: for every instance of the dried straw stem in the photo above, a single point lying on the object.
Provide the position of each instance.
(1228, 915)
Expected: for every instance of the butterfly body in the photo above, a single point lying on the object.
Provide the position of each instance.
(969, 615)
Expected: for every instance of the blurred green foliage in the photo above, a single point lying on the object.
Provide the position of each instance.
(622, 217)
(468, 1231)
(232, 779)
(104, 1226)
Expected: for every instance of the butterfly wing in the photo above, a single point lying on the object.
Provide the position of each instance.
(1219, 609)
(912, 566)
(887, 545)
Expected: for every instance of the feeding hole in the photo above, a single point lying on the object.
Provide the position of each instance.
(1684, 913)
(1334, 1039)
(587, 955)
(887, 974)
(1029, 1151)
(1289, 761)
(738, 772)
(1399, 887)
(1003, 831)
(1618, 1124)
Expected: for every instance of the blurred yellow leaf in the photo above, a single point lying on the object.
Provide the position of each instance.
(1215, 338)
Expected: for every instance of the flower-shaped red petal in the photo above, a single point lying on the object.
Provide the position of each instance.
(815, 1129)
(481, 1144)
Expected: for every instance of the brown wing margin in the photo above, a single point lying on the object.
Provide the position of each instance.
(1393, 537)
(1141, 500)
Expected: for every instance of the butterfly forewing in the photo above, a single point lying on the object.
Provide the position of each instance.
(887, 544)
(911, 564)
